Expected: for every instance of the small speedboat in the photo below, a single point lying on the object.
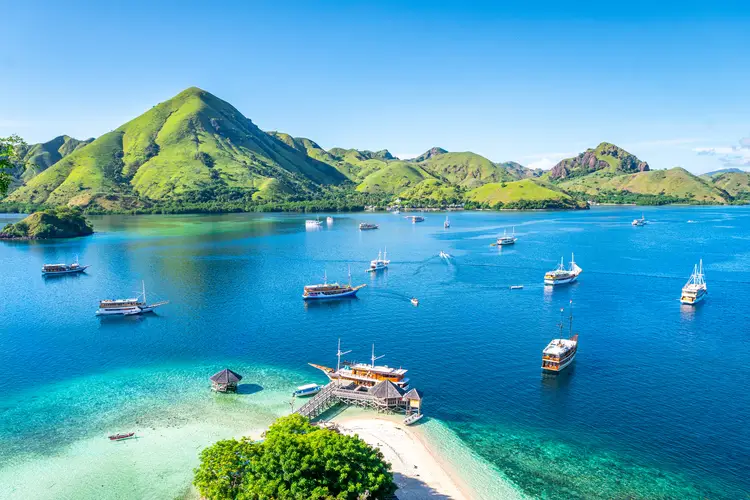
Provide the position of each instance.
(444, 255)
(329, 220)
(447, 223)
(414, 301)
(516, 287)
(120, 437)
(313, 222)
(413, 418)
(304, 391)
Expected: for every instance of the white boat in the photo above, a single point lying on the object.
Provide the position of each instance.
(516, 287)
(444, 255)
(562, 276)
(60, 269)
(507, 239)
(560, 352)
(380, 263)
(639, 222)
(363, 226)
(329, 220)
(413, 418)
(415, 218)
(447, 223)
(327, 290)
(128, 307)
(414, 301)
(695, 289)
(307, 390)
(313, 222)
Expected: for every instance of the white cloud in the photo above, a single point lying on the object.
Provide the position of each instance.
(406, 156)
(730, 156)
(663, 142)
(546, 161)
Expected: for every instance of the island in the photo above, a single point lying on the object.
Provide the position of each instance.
(59, 222)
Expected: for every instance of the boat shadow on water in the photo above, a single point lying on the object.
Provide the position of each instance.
(559, 380)
(329, 303)
(246, 389)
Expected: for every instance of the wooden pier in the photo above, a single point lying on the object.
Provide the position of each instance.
(384, 397)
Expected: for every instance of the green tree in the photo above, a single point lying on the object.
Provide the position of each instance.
(8, 156)
(296, 460)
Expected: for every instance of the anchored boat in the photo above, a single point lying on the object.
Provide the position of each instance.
(364, 226)
(561, 276)
(415, 218)
(120, 437)
(380, 263)
(507, 239)
(313, 222)
(363, 374)
(304, 391)
(60, 269)
(560, 352)
(327, 290)
(695, 289)
(447, 223)
(128, 307)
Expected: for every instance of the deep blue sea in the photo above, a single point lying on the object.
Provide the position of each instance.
(655, 405)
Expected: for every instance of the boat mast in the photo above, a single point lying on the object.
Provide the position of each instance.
(571, 319)
(338, 356)
(350, 275)
(385, 253)
(572, 260)
(143, 284)
(562, 321)
(325, 277)
(374, 358)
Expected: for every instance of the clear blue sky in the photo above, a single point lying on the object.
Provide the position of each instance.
(531, 82)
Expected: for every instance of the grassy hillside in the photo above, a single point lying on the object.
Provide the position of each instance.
(605, 158)
(466, 169)
(432, 192)
(393, 177)
(736, 183)
(528, 190)
(191, 146)
(676, 182)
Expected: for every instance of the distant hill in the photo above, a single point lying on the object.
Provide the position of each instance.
(36, 158)
(736, 183)
(526, 193)
(429, 154)
(605, 157)
(725, 171)
(187, 148)
(52, 223)
(676, 183)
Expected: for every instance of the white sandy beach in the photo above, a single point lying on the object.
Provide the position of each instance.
(417, 471)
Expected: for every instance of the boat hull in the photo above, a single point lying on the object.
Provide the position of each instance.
(564, 281)
(61, 273)
(562, 366)
(693, 302)
(350, 293)
(376, 269)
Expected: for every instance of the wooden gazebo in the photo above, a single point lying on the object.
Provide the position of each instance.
(225, 381)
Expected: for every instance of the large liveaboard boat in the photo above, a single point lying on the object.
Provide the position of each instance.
(60, 269)
(327, 290)
(379, 264)
(507, 239)
(364, 226)
(639, 222)
(128, 307)
(415, 218)
(560, 352)
(695, 289)
(363, 374)
(561, 276)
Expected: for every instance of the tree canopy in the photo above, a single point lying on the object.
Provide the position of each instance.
(296, 460)
(8, 151)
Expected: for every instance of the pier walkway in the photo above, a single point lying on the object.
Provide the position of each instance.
(383, 397)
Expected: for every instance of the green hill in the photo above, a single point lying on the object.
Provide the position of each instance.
(525, 193)
(676, 183)
(53, 223)
(736, 183)
(605, 157)
(466, 169)
(432, 192)
(393, 178)
(189, 147)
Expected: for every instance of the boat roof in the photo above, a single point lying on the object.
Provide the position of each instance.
(383, 370)
(135, 299)
(55, 265)
(559, 346)
(307, 386)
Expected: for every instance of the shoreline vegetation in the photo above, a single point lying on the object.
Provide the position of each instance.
(49, 224)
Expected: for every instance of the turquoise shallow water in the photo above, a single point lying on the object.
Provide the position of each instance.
(653, 407)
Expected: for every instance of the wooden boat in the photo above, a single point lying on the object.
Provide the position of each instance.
(327, 290)
(128, 307)
(61, 269)
(561, 352)
(120, 437)
(363, 374)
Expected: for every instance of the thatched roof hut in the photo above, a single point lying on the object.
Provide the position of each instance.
(387, 390)
(225, 381)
